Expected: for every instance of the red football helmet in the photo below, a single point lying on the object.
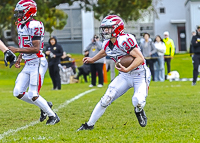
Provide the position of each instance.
(25, 9)
(114, 22)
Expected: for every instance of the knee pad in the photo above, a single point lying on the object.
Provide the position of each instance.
(16, 91)
(108, 97)
(139, 100)
(32, 94)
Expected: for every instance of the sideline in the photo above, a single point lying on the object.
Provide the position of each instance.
(12, 131)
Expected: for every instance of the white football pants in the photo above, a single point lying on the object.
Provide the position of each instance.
(138, 80)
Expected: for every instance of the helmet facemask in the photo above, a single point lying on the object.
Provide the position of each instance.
(106, 32)
(19, 14)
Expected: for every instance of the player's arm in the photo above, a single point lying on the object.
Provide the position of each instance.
(98, 56)
(139, 59)
(3, 47)
(30, 50)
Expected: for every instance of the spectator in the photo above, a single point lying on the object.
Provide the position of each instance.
(110, 65)
(142, 39)
(191, 47)
(93, 48)
(67, 62)
(54, 53)
(170, 50)
(196, 56)
(159, 64)
(148, 48)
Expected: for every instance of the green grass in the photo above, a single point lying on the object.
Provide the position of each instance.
(172, 108)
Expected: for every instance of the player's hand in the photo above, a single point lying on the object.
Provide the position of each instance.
(17, 64)
(87, 60)
(121, 68)
(9, 56)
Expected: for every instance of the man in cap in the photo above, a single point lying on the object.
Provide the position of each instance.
(170, 50)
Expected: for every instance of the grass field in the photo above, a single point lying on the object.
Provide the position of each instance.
(172, 108)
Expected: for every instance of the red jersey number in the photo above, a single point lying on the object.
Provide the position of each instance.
(24, 41)
(130, 42)
(38, 31)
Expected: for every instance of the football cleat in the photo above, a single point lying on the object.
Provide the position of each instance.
(43, 115)
(142, 119)
(85, 127)
(53, 120)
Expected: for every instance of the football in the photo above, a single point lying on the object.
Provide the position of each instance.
(125, 61)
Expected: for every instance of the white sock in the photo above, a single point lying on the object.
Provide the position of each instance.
(96, 114)
(42, 104)
(137, 109)
(26, 99)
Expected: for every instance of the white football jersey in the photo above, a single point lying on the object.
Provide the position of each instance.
(25, 35)
(123, 45)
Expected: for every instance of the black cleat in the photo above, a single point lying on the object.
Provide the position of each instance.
(142, 119)
(53, 120)
(43, 115)
(85, 127)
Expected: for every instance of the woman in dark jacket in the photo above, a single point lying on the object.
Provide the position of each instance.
(54, 53)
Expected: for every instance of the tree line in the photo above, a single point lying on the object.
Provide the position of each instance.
(53, 18)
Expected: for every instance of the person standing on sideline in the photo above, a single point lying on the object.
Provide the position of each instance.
(30, 34)
(148, 48)
(170, 50)
(196, 56)
(9, 56)
(116, 45)
(97, 67)
(54, 52)
(191, 50)
(159, 65)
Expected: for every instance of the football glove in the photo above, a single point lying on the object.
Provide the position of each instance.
(9, 56)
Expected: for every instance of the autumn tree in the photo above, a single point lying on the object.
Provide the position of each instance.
(126, 9)
(56, 19)
(51, 17)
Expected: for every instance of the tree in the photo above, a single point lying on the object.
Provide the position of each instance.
(126, 9)
(56, 19)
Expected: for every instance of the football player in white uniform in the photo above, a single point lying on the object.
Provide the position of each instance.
(137, 75)
(30, 36)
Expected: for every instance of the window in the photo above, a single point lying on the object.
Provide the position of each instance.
(162, 10)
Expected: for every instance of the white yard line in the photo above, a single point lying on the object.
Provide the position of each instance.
(11, 131)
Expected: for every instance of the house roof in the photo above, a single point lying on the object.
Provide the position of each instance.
(191, 1)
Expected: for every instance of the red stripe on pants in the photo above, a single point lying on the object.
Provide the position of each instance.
(39, 84)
